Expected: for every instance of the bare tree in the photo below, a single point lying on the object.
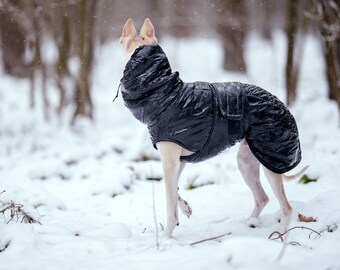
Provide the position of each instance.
(38, 65)
(25, 34)
(85, 45)
(325, 16)
(12, 39)
(70, 26)
(231, 25)
(292, 66)
(296, 27)
(58, 19)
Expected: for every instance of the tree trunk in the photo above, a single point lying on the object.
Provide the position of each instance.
(232, 29)
(331, 48)
(12, 37)
(40, 66)
(83, 102)
(291, 67)
(64, 45)
(332, 70)
(328, 24)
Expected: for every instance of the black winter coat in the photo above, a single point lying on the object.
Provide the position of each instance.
(206, 118)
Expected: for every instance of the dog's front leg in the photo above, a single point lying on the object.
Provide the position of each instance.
(170, 155)
(183, 204)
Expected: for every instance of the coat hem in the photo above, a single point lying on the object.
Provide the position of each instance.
(271, 167)
(174, 141)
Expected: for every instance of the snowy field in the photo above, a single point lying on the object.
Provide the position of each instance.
(93, 195)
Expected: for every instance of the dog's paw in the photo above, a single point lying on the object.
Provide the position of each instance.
(185, 207)
(169, 230)
(166, 243)
(252, 222)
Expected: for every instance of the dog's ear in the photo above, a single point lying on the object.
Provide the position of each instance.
(129, 31)
(148, 31)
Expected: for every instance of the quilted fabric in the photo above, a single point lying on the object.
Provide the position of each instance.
(206, 118)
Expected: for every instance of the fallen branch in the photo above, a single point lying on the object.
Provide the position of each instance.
(280, 235)
(293, 243)
(209, 239)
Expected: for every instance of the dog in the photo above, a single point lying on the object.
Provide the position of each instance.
(191, 122)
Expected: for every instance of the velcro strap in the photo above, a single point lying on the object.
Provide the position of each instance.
(231, 100)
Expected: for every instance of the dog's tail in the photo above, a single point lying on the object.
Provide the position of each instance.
(292, 177)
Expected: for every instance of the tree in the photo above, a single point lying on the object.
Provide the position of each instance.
(325, 16)
(22, 33)
(231, 26)
(58, 18)
(85, 45)
(292, 67)
(70, 26)
(12, 40)
(38, 67)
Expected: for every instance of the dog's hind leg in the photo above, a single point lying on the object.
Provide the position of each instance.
(249, 167)
(276, 182)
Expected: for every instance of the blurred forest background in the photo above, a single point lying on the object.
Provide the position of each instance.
(78, 28)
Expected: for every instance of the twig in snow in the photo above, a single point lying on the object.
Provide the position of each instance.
(4, 246)
(294, 243)
(162, 227)
(2, 192)
(209, 239)
(280, 235)
(16, 211)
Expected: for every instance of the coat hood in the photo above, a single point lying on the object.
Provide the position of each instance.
(146, 73)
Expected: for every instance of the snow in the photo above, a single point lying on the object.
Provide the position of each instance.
(91, 193)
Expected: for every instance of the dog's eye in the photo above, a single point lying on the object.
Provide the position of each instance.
(143, 38)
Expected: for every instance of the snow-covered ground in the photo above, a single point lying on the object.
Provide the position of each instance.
(91, 192)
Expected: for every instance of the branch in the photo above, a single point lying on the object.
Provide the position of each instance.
(294, 243)
(280, 235)
(209, 239)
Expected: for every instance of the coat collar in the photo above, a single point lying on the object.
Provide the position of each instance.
(147, 71)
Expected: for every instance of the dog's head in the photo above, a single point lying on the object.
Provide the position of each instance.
(129, 40)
